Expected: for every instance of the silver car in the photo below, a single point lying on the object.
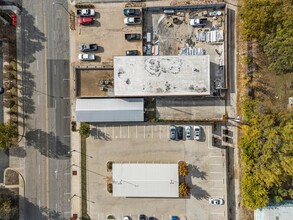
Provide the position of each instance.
(187, 132)
(87, 57)
(172, 132)
(197, 133)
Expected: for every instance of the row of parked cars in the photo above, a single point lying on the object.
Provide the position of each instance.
(144, 217)
(181, 132)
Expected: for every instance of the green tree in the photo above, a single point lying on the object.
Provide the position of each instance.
(8, 131)
(84, 129)
(7, 210)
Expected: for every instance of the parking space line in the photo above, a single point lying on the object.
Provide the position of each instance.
(160, 135)
(218, 213)
(113, 132)
(128, 130)
(217, 188)
(216, 156)
(152, 132)
(217, 172)
(136, 131)
(120, 131)
(216, 164)
(143, 131)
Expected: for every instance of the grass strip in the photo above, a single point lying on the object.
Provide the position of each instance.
(83, 179)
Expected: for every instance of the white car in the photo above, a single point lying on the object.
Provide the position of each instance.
(126, 218)
(87, 57)
(216, 201)
(197, 133)
(187, 132)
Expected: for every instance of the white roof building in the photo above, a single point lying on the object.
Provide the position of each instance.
(110, 110)
(145, 180)
(161, 76)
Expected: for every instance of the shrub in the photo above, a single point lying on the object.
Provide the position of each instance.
(184, 190)
(183, 168)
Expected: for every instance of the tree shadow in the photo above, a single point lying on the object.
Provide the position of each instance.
(48, 144)
(33, 211)
(17, 151)
(194, 171)
(99, 134)
(195, 190)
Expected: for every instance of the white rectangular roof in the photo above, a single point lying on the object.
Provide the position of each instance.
(110, 110)
(161, 75)
(145, 180)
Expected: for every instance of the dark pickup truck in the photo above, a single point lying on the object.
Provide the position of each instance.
(131, 12)
(88, 47)
(132, 36)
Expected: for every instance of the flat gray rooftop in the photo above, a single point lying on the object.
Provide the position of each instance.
(161, 76)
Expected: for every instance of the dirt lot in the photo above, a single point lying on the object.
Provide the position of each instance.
(94, 82)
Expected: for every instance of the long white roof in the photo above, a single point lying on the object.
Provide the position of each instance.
(145, 180)
(110, 110)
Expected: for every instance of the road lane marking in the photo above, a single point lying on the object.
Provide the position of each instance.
(39, 169)
(47, 118)
(55, 103)
(55, 69)
(54, 35)
(36, 20)
(66, 116)
(38, 100)
(66, 79)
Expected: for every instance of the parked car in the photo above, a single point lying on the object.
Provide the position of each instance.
(132, 20)
(131, 12)
(187, 132)
(88, 47)
(87, 57)
(198, 22)
(143, 217)
(85, 12)
(197, 133)
(216, 201)
(152, 218)
(131, 52)
(132, 36)
(126, 218)
(180, 132)
(85, 20)
(174, 217)
(172, 132)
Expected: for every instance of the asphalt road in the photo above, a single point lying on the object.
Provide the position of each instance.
(46, 104)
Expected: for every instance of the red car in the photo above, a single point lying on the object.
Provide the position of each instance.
(85, 20)
(13, 19)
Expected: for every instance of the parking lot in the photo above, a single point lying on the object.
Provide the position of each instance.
(150, 144)
(108, 32)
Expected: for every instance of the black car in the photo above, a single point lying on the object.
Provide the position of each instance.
(143, 217)
(131, 12)
(152, 218)
(180, 133)
(131, 52)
